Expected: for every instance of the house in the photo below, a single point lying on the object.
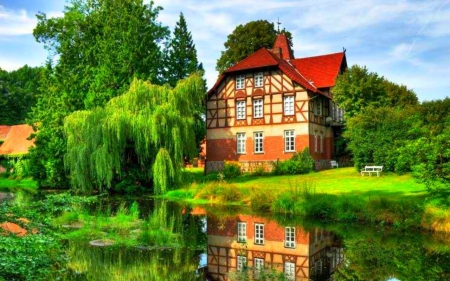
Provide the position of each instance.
(257, 243)
(14, 141)
(270, 105)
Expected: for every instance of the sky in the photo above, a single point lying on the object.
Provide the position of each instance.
(407, 42)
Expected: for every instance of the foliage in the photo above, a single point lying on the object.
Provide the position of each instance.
(247, 39)
(18, 93)
(300, 163)
(100, 47)
(180, 61)
(148, 129)
(33, 257)
(376, 135)
(17, 166)
(231, 169)
(357, 89)
(219, 191)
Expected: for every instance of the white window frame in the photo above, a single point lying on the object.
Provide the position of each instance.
(259, 234)
(259, 79)
(258, 108)
(240, 143)
(258, 138)
(241, 263)
(289, 105)
(289, 270)
(241, 109)
(240, 81)
(289, 141)
(242, 232)
(258, 264)
(289, 237)
(316, 145)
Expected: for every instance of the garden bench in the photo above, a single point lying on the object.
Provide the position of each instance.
(372, 169)
(334, 164)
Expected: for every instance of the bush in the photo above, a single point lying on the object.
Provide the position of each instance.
(219, 191)
(300, 163)
(232, 169)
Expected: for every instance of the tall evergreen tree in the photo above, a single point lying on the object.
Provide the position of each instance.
(181, 55)
(181, 61)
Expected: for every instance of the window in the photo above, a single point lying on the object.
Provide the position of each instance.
(240, 143)
(258, 110)
(240, 81)
(316, 142)
(259, 234)
(289, 270)
(318, 267)
(240, 109)
(289, 105)
(259, 142)
(321, 142)
(258, 264)
(259, 79)
(319, 107)
(289, 141)
(241, 262)
(289, 240)
(242, 231)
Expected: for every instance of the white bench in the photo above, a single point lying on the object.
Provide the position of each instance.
(372, 169)
(334, 164)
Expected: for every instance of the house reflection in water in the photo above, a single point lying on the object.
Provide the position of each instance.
(259, 244)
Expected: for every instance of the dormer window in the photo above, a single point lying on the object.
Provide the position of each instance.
(240, 81)
(259, 79)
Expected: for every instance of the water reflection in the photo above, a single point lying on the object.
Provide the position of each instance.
(245, 246)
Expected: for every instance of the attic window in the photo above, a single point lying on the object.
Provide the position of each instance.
(259, 79)
(240, 82)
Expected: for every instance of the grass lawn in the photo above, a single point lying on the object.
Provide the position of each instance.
(14, 185)
(335, 181)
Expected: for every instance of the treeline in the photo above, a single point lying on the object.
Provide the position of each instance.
(18, 93)
(386, 125)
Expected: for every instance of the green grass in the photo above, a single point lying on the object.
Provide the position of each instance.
(12, 185)
(342, 181)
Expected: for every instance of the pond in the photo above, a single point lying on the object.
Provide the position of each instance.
(159, 240)
(233, 244)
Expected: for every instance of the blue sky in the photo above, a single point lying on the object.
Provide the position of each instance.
(408, 42)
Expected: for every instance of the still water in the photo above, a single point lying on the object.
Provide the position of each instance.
(224, 244)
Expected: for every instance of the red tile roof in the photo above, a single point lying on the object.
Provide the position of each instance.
(323, 70)
(311, 73)
(282, 43)
(4, 130)
(260, 58)
(16, 141)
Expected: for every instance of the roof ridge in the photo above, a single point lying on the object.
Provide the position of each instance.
(319, 56)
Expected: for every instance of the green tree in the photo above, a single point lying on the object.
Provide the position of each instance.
(376, 134)
(18, 93)
(141, 135)
(181, 55)
(247, 39)
(101, 46)
(357, 88)
(181, 61)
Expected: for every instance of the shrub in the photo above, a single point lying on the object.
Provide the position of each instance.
(231, 169)
(300, 163)
(219, 191)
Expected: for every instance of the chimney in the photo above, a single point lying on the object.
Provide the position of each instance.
(277, 51)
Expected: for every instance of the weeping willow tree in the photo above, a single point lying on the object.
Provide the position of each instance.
(143, 135)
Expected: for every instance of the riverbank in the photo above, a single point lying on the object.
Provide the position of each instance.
(338, 195)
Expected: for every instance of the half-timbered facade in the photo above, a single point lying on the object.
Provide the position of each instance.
(254, 242)
(270, 105)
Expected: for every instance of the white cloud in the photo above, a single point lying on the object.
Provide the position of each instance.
(15, 22)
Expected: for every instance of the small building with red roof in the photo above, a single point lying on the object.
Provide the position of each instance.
(270, 105)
